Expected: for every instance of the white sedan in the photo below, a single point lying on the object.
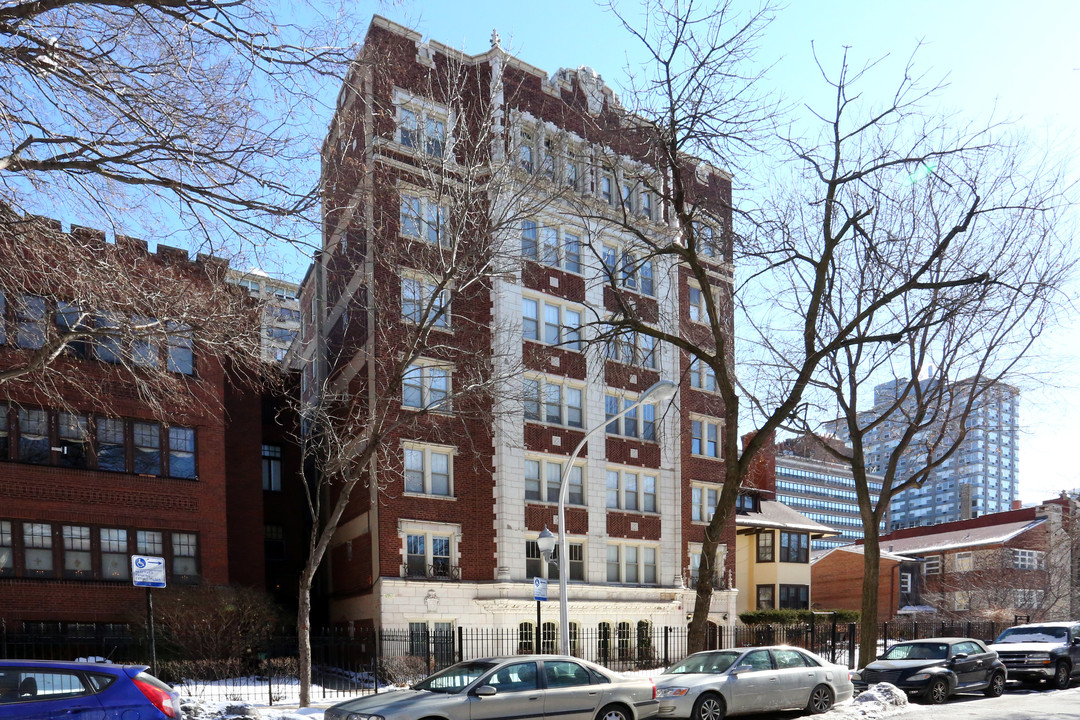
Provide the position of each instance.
(713, 684)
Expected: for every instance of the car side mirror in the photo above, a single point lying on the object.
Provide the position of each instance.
(959, 656)
(742, 668)
(486, 691)
(1076, 640)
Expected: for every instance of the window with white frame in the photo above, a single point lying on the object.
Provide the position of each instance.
(646, 208)
(7, 548)
(423, 302)
(423, 219)
(703, 503)
(553, 402)
(964, 562)
(695, 564)
(429, 470)
(115, 563)
(633, 348)
(626, 194)
(932, 565)
(628, 270)
(543, 478)
(702, 376)
(571, 175)
(429, 551)
(631, 564)
(1028, 559)
(536, 567)
(30, 312)
(631, 490)
(1028, 598)
(698, 312)
(37, 549)
(607, 189)
(185, 548)
(905, 582)
(551, 323)
(705, 437)
(77, 562)
(962, 600)
(526, 150)
(708, 239)
(425, 385)
(422, 128)
(148, 542)
(637, 423)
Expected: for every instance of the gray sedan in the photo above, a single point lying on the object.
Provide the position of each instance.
(713, 684)
(523, 687)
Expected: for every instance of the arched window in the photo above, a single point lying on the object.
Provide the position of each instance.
(603, 643)
(644, 643)
(622, 638)
(547, 638)
(575, 643)
(526, 645)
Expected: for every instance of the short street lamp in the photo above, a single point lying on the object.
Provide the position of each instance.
(657, 392)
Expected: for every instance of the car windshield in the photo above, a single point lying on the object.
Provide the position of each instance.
(917, 651)
(706, 662)
(454, 678)
(1032, 634)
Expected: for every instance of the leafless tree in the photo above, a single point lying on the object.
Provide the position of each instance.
(186, 121)
(895, 230)
(950, 256)
(443, 211)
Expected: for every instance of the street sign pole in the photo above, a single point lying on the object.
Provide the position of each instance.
(538, 626)
(539, 594)
(148, 571)
(150, 623)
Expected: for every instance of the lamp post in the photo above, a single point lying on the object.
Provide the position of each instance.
(660, 391)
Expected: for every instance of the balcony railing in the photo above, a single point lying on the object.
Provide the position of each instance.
(435, 571)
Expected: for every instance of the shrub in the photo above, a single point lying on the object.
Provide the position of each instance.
(402, 670)
(214, 623)
(787, 616)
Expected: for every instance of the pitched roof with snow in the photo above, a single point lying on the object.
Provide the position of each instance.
(965, 537)
(775, 514)
(817, 555)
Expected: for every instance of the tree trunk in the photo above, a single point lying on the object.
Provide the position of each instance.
(868, 626)
(303, 638)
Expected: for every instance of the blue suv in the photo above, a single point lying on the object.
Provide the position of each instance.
(40, 689)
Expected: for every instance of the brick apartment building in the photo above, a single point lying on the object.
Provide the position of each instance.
(92, 473)
(86, 485)
(1018, 562)
(445, 532)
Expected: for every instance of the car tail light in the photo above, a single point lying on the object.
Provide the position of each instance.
(162, 699)
(653, 688)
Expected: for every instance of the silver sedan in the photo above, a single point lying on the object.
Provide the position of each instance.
(713, 684)
(523, 687)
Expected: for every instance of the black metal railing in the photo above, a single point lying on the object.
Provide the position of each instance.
(349, 663)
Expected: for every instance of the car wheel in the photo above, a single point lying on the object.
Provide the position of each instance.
(938, 692)
(996, 686)
(1061, 675)
(614, 712)
(709, 706)
(821, 700)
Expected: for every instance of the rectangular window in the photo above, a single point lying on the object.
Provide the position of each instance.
(1028, 559)
(147, 442)
(144, 346)
(423, 302)
(74, 440)
(529, 247)
(108, 346)
(963, 562)
(698, 312)
(536, 567)
(7, 549)
(4, 446)
(606, 189)
(435, 137)
(631, 564)
(34, 446)
(408, 129)
(114, 554)
(525, 152)
(560, 405)
(530, 313)
(182, 452)
(705, 438)
(765, 597)
(37, 549)
(30, 322)
(409, 216)
(428, 471)
(428, 555)
(543, 478)
(77, 563)
(181, 357)
(613, 564)
(561, 325)
(932, 565)
(962, 600)
(111, 448)
(794, 547)
(796, 597)
(549, 245)
(702, 504)
(765, 552)
(646, 204)
(69, 320)
(702, 375)
(185, 552)
(149, 542)
(905, 582)
(631, 491)
(425, 387)
(436, 220)
(274, 541)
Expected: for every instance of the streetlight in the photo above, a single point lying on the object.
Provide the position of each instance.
(660, 391)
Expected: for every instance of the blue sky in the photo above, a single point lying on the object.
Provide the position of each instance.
(999, 59)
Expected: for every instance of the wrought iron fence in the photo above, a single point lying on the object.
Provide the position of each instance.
(350, 663)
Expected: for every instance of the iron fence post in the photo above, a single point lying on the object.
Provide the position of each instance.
(269, 682)
(832, 652)
(851, 646)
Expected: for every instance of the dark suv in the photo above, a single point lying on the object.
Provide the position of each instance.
(1041, 651)
(935, 668)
